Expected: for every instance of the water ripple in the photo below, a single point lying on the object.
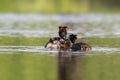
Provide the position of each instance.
(42, 50)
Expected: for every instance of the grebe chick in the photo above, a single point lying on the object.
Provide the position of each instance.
(81, 46)
(53, 43)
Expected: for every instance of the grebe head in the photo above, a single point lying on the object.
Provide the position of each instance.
(62, 31)
(72, 38)
(62, 28)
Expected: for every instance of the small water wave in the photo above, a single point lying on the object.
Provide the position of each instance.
(42, 50)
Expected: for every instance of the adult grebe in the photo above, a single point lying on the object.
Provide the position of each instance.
(57, 43)
(61, 42)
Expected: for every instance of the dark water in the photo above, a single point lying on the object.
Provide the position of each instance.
(67, 66)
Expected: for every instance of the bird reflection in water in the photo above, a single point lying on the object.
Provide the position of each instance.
(68, 66)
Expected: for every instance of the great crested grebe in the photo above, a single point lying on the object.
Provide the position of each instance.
(61, 42)
(57, 43)
(81, 46)
(65, 44)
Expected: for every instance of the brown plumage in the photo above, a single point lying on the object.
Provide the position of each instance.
(65, 44)
(62, 43)
(53, 43)
(62, 32)
(58, 44)
(81, 46)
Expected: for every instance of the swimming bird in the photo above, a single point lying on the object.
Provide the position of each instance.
(65, 44)
(61, 42)
(81, 46)
(53, 43)
(57, 43)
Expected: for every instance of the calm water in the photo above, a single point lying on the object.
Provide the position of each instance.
(36, 63)
(22, 59)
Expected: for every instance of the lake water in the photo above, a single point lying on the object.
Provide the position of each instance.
(36, 25)
(23, 56)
